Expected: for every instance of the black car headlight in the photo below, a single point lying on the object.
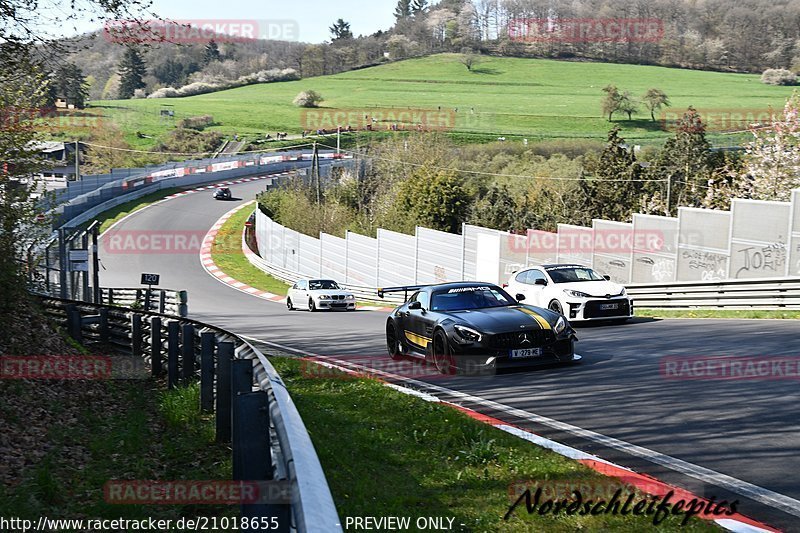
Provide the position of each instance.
(467, 334)
(561, 326)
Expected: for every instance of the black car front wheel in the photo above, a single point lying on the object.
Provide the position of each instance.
(289, 304)
(393, 342)
(311, 306)
(555, 307)
(442, 358)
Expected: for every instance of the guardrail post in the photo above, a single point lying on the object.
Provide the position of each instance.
(147, 300)
(183, 305)
(187, 352)
(224, 362)
(207, 342)
(104, 333)
(241, 383)
(136, 335)
(173, 334)
(155, 346)
(162, 301)
(110, 296)
(74, 322)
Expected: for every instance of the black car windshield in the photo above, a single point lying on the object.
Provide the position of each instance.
(573, 274)
(323, 284)
(466, 298)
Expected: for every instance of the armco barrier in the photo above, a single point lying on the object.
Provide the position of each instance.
(732, 294)
(266, 449)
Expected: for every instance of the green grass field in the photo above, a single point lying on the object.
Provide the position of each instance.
(510, 96)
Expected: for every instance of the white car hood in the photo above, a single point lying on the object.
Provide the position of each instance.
(594, 288)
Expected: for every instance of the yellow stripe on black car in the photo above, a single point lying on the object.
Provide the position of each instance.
(543, 323)
(419, 340)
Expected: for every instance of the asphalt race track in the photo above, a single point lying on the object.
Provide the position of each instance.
(745, 429)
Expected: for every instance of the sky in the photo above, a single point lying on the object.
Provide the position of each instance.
(311, 18)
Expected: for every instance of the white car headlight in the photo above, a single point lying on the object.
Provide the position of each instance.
(324, 297)
(576, 294)
(468, 334)
(561, 325)
(351, 297)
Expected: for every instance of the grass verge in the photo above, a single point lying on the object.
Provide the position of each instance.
(718, 313)
(227, 255)
(101, 431)
(109, 217)
(390, 454)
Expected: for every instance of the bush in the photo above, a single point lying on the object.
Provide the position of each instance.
(196, 123)
(308, 99)
(201, 87)
(779, 76)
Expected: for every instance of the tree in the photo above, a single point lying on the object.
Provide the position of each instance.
(684, 165)
(654, 99)
(628, 104)
(613, 188)
(611, 101)
(131, 72)
(211, 52)
(69, 83)
(308, 99)
(469, 60)
(403, 9)
(418, 7)
(341, 30)
(497, 209)
(434, 198)
(772, 158)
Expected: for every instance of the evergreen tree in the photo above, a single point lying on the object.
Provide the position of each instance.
(418, 7)
(341, 30)
(69, 83)
(613, 188)
(685, 164)
(211, 52)
(403, 9)
(131, 72)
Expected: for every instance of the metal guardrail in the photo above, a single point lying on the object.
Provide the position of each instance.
(767, 293)
(238, 384)
(162, 301)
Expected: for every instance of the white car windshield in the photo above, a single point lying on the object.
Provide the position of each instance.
(573, 274)
(464, 298)
(323, 285)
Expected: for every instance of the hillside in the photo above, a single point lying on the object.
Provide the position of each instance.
(510, 96)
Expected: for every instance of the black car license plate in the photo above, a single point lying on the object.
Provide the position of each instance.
(608, 307)
(526, 353)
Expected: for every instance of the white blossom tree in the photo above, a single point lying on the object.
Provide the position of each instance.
(772, 159)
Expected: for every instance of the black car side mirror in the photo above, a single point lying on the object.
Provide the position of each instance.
(520, 297)
(542, 282)
(415, 306)
(607, 278)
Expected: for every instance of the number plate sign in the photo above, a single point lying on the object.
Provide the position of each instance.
(151, 279)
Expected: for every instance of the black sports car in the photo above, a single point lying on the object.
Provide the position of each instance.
(476, 327)
(223, 193)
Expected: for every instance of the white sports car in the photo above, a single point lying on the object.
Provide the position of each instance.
(575, 291)
(316, 294)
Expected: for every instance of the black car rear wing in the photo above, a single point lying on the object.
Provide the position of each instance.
(404, 290)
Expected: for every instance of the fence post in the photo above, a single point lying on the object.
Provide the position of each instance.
(110, 296)
(207, 342)
(74, 322)
(173, 332)
(104, 333)
(136, 335)
(187, 352)
(224, 361)
(183, 305)
(162, 301)
(251, 438)
(155, 346)
(147, 299)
